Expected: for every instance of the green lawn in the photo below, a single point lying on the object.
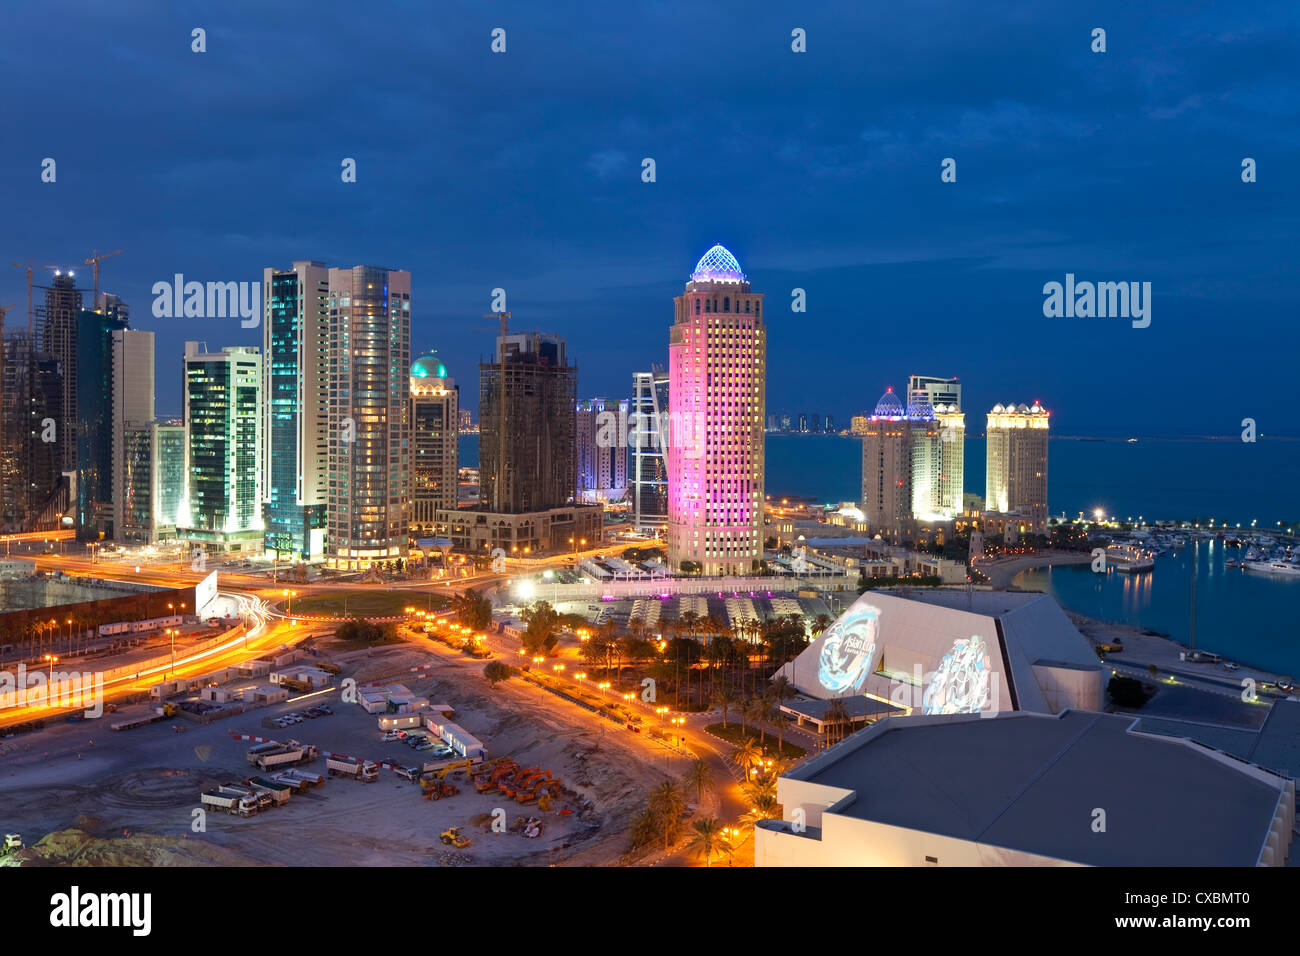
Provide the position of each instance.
(732, 734)
(377, 603)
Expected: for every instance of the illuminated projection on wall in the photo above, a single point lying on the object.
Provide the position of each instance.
(848, 651)
(961, 684)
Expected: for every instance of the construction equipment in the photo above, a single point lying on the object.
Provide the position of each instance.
(94, 260)
(435, 790)
(13, 843)
(451, 836)
(237, 803)
(454, 766)
(169, 710)
(544, 802)
(280, 792)
(30, 269)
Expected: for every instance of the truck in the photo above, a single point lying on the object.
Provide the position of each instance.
(299, 685)
(293, 783)
(283, 757)
(280, 792)
(307, 777)
(366, 771)
(236, 803)
(260, 797)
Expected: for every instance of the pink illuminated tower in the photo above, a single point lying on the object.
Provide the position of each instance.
(717, 385)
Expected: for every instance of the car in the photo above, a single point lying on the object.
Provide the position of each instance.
(1287, 685)
(443, 751)
(325, 710)
(311, 714)
(390, 736)
(426, 745)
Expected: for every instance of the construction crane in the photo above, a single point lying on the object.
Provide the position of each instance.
(30, 269)
(94, 260)
(4, 310)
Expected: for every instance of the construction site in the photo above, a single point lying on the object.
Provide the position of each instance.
(333, 781)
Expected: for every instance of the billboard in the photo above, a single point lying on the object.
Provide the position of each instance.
(205, 592)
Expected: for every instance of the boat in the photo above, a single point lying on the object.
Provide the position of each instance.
(1274, 566)
(1179, 542)
(1129, 559)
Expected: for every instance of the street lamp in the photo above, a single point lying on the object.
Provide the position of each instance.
(50, 691)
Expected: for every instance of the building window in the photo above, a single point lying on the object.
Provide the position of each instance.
(697, 306)
(726, 303)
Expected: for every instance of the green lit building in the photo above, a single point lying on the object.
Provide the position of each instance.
(222, 509)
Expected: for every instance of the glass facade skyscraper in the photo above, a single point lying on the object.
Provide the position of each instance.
(296, 407)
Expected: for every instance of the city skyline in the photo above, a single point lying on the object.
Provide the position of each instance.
(871, 233)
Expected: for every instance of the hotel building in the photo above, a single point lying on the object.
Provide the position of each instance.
(649, 459)
(1016, 476)
(602, 439)
(717, 384)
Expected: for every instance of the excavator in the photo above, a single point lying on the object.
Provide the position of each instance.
(451, 836)
(12, 844)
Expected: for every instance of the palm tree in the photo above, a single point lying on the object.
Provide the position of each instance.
(763, 808)
(698, 777)
(746, 754)
(667, 802)
(708, 839)
(781, 691)
(759, 709)
(725, 698)
(837, 716)
(759, 788)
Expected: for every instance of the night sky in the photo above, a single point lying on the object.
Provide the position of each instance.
(819, 170)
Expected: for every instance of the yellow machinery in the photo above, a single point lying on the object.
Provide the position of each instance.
(451, 836)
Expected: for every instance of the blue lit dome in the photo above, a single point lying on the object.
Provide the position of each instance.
(919, 407)
(889, 406)
(428, 366)
(717, 265)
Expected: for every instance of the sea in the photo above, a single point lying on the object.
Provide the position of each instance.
(1241, 615)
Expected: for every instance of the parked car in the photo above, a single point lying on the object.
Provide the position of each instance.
(426, 745)
(324, 709)
(1287, 685)
(390, 736)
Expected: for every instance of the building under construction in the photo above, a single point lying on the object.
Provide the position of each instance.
(528, 438)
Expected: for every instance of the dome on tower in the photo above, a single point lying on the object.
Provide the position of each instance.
(428, 366)
(998, 409)
(918, 407)
(889, 406)
(717, 265)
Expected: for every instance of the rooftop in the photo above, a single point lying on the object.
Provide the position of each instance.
(717, 265)
(1032, 782)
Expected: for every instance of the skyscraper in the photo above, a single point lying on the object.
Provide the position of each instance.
(133, 406)
(887, 467)
(527, 439)
(153, 482)
(31, 481)
(1017, 462)
(223, 453)
(369, 430)
(648, 450)
(927, 458)
(296, 408)
(717, 357)
(435, 413)
(952, 449)
(95, 394)
(602, 440)
(58, 338)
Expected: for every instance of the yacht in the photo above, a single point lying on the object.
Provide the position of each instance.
(1179, 542)
(1129, 559)
(1275, 565)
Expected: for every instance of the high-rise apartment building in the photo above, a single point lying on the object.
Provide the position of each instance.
(223, 450)
(858, 425)
(927, 458)
(717, 357)
(648, 466)
(32, 487)
(133, 408)
(295, 388)
(887, 467)
(952, 450)
(435, 413)
(369, 431)
(602, 438)
(1017, 462)
(527, 427)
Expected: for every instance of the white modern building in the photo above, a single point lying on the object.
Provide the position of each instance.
(1023, 789)
(959, 651)
(1016, 473)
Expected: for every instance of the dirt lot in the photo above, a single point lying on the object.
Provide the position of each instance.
(128, 798)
